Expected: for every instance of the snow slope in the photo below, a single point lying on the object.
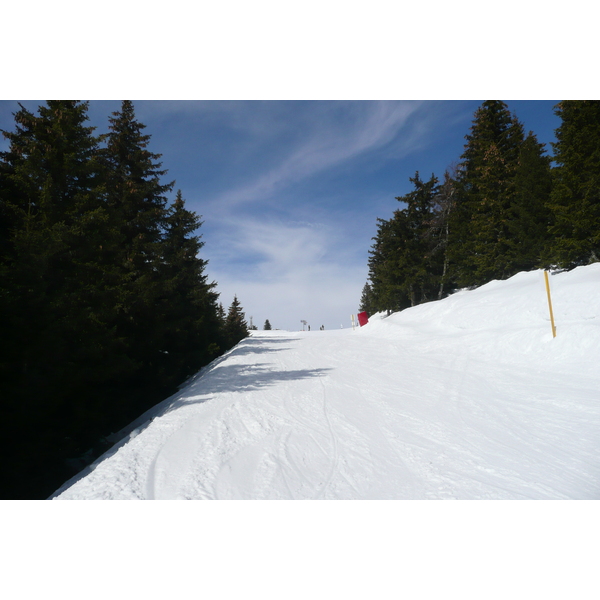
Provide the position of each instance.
(468, 398)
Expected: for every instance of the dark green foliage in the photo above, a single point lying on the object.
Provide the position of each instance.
(134, 192)
(385, 277)
(420, 262)
(105, 306)
(407, 258)
(575, 198)
(54, 290)
(236, 328)
(137, 203)
(187, 331)
(267, 326)
(444, 203)
(481, 225)
(531, 216)
(221, 315)
(366, 300)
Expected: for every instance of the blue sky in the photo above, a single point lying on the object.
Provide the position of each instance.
(289, 191)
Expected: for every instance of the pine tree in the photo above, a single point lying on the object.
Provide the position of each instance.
(530, 213)
(386, 280)
(405, 265)
(575, 197)
(187, 329)
(417, 263)
(221, 314)
(481, 233)
(267, 326)
(134, 186)
(138, 211)
(439, 231)
(366, 300)
(136, 196)
(53, 286)
(58, 224)
(236, 328)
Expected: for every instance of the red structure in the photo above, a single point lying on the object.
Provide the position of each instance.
(363, 318)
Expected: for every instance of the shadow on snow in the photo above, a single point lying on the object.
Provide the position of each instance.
(258, 346)
(239, 378)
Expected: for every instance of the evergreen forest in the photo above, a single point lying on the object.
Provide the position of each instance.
(506, 206)
(105, 304)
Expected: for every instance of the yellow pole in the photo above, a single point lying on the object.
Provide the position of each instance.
(550, 304)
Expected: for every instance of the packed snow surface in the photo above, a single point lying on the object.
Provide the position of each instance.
(469, 397)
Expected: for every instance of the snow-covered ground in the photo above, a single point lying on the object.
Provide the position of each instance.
(466, 398)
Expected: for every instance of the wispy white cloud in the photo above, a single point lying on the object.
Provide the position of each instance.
(329, 139)
(269, 247)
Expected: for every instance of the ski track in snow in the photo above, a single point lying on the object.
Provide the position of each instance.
(466, 398)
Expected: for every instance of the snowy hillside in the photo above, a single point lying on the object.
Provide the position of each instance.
(469, 398)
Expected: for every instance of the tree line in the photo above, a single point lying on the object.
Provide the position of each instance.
(504, 208)
(105, 304)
